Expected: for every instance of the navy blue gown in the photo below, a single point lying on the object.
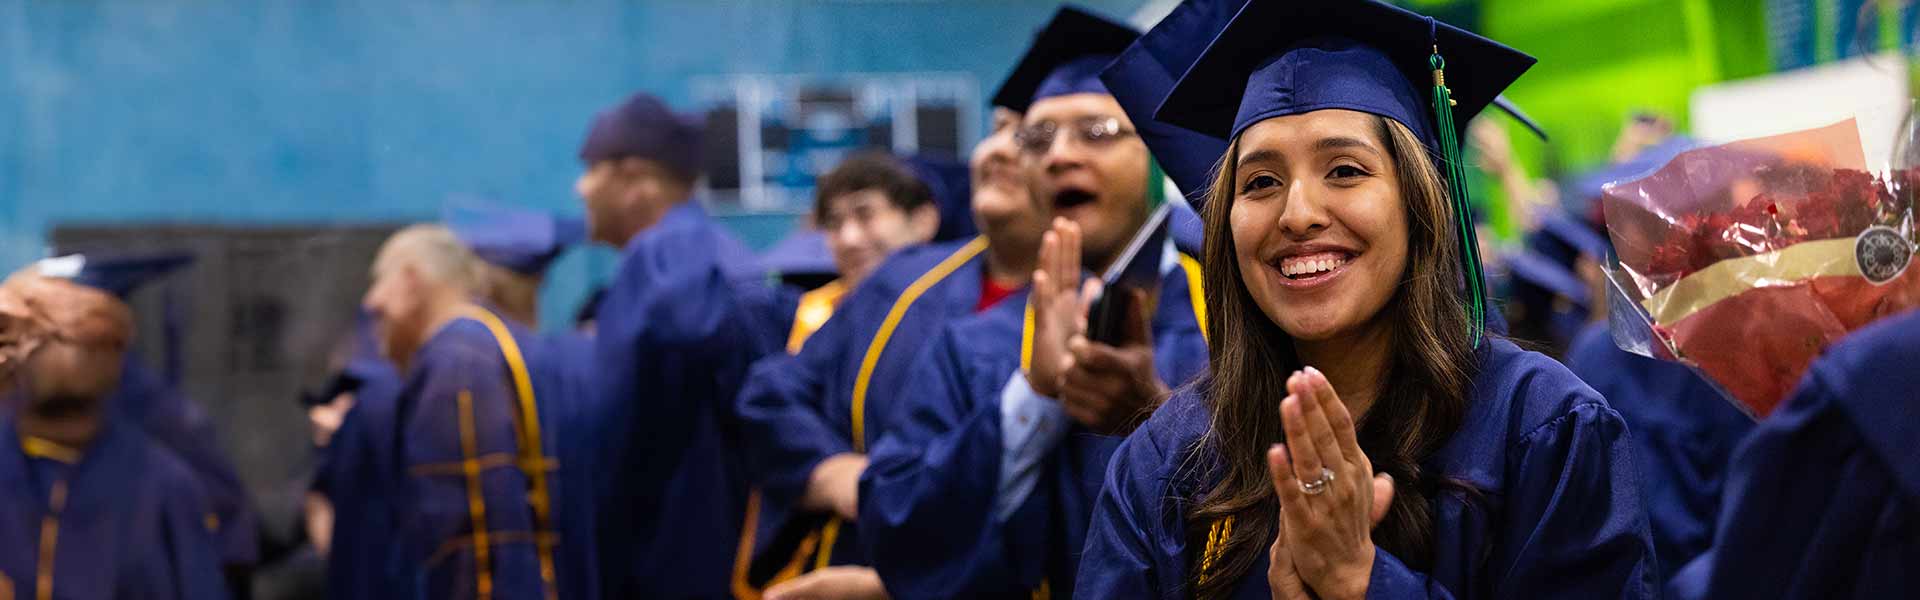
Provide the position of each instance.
(1560, 515)
(354, 479)
(1684, 432)
(929, 497)
(561, 365)
(480, 500)
(183, 427)
(834, 395)
(120, 519)
(675, 336)
(1823, 498)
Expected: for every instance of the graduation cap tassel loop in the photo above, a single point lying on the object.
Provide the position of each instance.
(1456, 173)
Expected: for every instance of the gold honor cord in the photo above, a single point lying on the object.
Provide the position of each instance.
(816, 306)
(831, 531)
(1217, 536)
(49, 540)
(1195, 292)
(532, 460)
(50, 524)
(476, 502)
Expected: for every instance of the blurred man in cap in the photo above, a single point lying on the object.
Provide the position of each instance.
(479, 507)
(674, 335)
(161, 409)
(90, 507)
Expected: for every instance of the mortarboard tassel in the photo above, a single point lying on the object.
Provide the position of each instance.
(1456, 173)
(1156, 184)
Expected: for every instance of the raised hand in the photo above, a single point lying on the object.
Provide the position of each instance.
(1330, 498)
(834, 485)
(1059, 306)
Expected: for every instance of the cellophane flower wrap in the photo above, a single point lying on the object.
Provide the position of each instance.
(1746, 260)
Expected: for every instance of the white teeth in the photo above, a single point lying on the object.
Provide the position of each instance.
(1306, 267)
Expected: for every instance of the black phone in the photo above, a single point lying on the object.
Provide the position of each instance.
(1137, 267)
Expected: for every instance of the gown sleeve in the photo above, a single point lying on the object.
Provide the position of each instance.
(667, 345)
(928, 495)
(178, 423)
(783, 408)
(1572, 523)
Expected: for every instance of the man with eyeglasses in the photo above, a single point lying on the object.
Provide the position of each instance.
(983, 486)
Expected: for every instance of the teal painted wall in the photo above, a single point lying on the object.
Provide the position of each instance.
(276, 111)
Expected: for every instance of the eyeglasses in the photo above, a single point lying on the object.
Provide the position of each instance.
(1094, 132)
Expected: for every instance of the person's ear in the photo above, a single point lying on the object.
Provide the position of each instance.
(925, 221)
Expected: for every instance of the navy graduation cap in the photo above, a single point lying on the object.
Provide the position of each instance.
(1582, 192)
(1563, 238)
(118, 275)
(644, 126)
(802, 253)
(122, 276)
(522, 240)
(1141, 77)
(1551, 300)
(1277, 58)
(949, 180)
(1065, 58)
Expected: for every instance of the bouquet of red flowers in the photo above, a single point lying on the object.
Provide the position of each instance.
(1746, 260)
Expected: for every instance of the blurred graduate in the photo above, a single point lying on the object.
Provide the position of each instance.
(154, 401)
(516, 246)
(983, 484)
(675, 333)
(1822, 497)
(477, 500)
(1684, 430)
(348, 514)
(1359, 432)
(867, 207)
(91, 507)
(810, 417)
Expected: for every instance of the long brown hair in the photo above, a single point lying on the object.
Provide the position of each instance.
(1419, 406)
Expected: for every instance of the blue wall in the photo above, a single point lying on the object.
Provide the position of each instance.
(266, 111)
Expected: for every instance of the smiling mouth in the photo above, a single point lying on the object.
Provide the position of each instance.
(1311, 268)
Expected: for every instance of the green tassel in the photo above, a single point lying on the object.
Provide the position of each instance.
(1156, 184)
(1456, 175)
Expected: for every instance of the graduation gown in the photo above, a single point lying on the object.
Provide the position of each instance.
(120, 519)
(354, 478)
(561, 365)
(929, 496)
(184, 428)
(1823, 498)
(1561, 513)
(480, 498)
(832, 396)
(675, 336)
(1684, 432)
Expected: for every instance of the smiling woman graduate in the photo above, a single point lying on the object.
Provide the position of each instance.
(1360, 433)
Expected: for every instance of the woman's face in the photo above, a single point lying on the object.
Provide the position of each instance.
(1319, 226)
